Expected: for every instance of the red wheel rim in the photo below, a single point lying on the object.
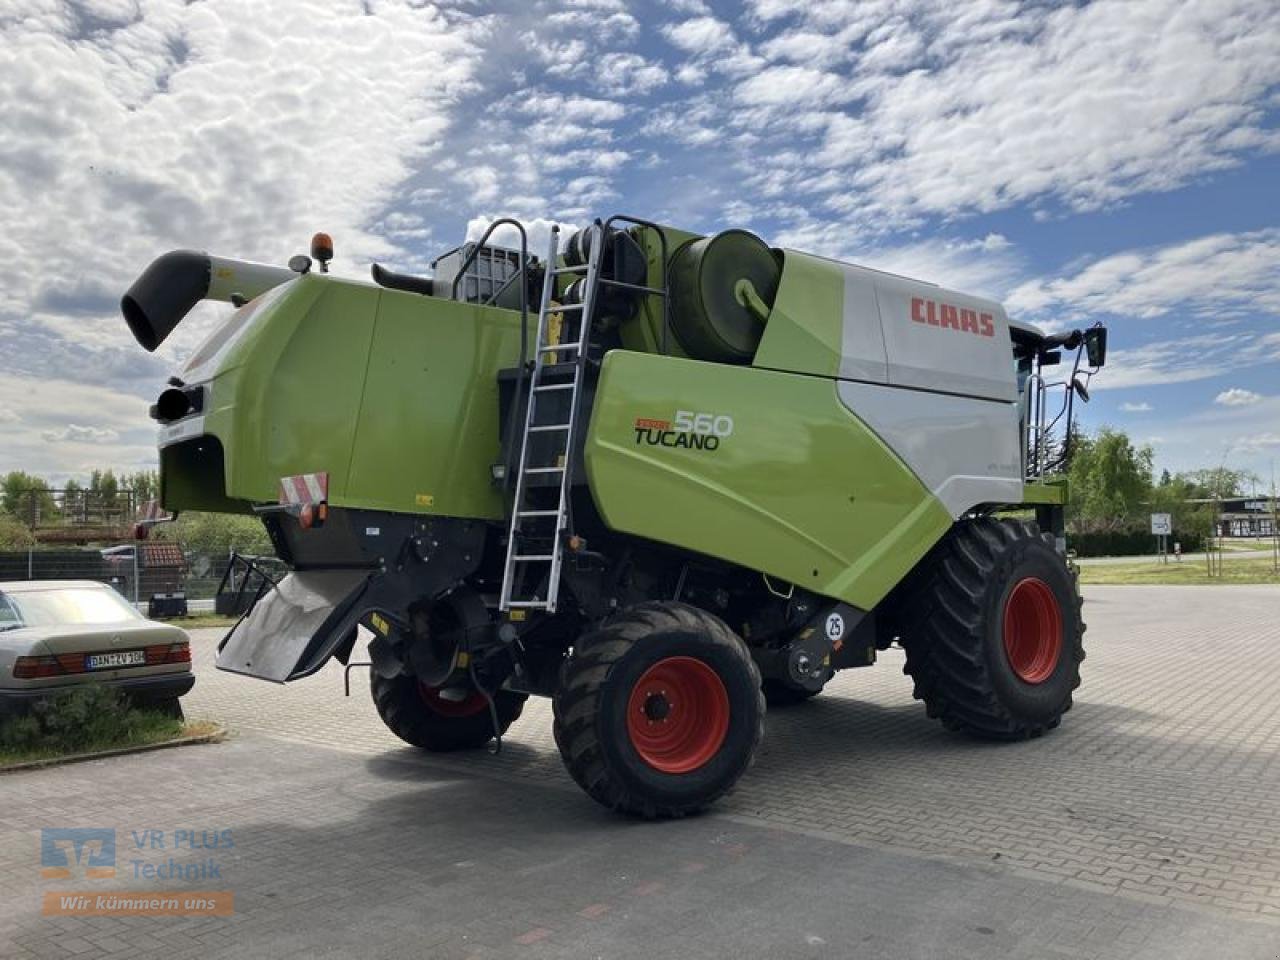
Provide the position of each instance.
(1032, 630)
(468, 706)
(678, 715)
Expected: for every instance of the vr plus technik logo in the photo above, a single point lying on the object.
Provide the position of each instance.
(72, 853)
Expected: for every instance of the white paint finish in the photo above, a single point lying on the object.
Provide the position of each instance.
(228, 276)
(964, 450)
(862, 347)
(177, 432)
(935, 357)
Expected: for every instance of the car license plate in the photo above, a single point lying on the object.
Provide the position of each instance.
(107, 661)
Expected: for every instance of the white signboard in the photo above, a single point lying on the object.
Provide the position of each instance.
(1161, 524)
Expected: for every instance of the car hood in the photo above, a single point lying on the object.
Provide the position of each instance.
(78, 638)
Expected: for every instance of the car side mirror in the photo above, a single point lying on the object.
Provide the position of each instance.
(1095, 346)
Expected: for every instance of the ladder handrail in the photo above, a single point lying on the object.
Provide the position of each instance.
(666, 284)
(518, 559)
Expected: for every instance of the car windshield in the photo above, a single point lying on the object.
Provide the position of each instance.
(65, 606)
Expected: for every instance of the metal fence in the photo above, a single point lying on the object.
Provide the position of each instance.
(74, 515)
(138, 571)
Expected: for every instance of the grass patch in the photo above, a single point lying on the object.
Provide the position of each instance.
(85, 719)
(1249, 570)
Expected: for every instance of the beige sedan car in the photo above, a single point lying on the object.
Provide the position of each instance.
(59, 633)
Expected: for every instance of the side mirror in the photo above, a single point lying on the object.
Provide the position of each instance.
(1095, 346)
(1080, 388)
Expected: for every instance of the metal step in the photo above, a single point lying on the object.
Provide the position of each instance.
(569, 377)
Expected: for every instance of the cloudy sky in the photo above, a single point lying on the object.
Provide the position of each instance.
(1108, 160)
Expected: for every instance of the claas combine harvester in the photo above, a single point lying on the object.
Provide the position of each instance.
(660, 478)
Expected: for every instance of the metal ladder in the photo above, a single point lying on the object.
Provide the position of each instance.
(550, 379)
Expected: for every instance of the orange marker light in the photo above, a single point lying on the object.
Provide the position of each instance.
(322, 250)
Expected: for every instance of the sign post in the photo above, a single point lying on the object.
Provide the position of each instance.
(1161, 528)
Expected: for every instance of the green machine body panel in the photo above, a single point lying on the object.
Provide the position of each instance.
(394, 395)
(805, 325)
(777, 476)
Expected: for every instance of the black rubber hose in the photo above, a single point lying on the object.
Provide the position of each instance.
(164, 294)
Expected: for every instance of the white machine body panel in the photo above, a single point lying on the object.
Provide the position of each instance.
(965, 450)
(937, 339)
(862, 354)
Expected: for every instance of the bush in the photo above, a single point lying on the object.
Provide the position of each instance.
(1128, 543)
(82, 718)
(217, 534)
(14, 534)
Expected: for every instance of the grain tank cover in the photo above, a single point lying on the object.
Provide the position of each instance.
(710, 319)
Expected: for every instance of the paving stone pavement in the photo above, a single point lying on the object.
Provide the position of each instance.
(1148, 825)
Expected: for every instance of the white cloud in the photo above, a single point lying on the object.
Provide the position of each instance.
(1237, 397)
(701, 35)
(76, 433)
(573, 109)
(1221, 276)
(226, 125)
(965, 108)
(1143, 407)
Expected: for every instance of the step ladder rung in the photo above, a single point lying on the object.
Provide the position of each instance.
(558, 366)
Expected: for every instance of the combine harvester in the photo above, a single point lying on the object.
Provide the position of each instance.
(660, 478)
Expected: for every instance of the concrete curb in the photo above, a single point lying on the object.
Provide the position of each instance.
(213, 736)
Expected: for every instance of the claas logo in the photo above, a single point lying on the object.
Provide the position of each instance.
(957, 318)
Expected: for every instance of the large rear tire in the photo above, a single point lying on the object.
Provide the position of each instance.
(991, 625)
(421, 717)
(659, 712)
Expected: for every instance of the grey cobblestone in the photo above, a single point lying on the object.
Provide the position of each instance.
(1147, 826)
(1163, 777)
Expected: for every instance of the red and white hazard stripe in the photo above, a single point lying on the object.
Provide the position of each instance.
(304, 489)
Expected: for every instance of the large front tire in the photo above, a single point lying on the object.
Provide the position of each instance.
(421, 717)
(659, 712)
(991, 625)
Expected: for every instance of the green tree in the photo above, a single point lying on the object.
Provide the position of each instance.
(27, 497)
(14, 534)
(145, 485)
(1220, 482)
(103, 488)
(1110, 481)
(217, 533)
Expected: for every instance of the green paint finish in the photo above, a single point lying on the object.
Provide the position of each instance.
(804, 332)
(800, 489)
(394, 395)
(643, 332)
(1050, 492)
(295, 381)
(428, 425)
